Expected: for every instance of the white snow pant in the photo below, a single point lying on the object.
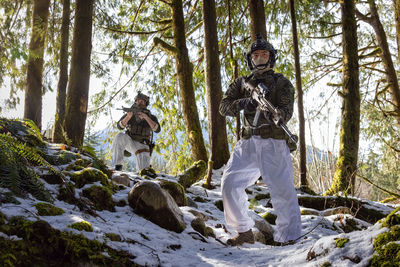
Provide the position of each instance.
(269, 158)
(123, 141)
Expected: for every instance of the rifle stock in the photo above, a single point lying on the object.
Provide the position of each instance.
(259, 93)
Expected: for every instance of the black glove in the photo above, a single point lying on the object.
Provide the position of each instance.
(248, 104)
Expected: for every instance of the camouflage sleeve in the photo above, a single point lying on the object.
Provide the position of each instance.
(285, 98)
(154, 118)
(229, 105)
(119, 126)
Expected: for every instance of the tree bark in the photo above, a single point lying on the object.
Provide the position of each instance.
(396, 4)
(257, 19)
(33, 92)
(386, 56)
(78, 87)
(303, 159)
(234, 64)
(346, 166)
(216, 122)
(185, 76)
(58, 136)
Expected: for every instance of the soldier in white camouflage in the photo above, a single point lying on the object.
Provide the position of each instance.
(137, 139)
(262, 150)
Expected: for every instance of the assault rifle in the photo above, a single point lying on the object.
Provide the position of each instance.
(135, 109)
(260, 93)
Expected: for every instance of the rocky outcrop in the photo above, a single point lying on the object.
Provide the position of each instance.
(156, 204)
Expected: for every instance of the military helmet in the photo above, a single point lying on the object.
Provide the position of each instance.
(142, 96)
(261, 44)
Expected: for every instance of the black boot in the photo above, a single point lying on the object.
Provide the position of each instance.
(118, 167)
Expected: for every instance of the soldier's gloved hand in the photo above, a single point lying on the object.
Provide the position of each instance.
(248, 104)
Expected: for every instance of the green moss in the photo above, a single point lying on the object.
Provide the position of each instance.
(177, 191)
(113, 237)
(193, 174)
(387, 249)
(101, 197)
(66, 193)
(219, 204)
(46, 209)
(41, 245)
(82, 226)
(95, 161)
(199, 226)
(66, 157)
(392, 219)
(88, 176)
(269, 217)
(253, 203)
(350, 225)
(326, 264)
(149, 172)
(340, 242)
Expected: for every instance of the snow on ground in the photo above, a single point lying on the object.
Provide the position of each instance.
(155, 246)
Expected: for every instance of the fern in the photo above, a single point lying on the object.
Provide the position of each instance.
(15, 172)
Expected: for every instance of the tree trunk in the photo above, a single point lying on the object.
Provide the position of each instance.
(257, 19)
(234, 64)
(185, 76)
(346, 166)
(216, 122)
(58, 136)
(33, 92)
(396, 4)
(387, 61)
(303, 166)
(78, 87)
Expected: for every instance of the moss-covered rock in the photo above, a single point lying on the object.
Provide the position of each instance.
(82, 226)
(199, 226)
(42, 245)
(270, 218)
(340, 242)
(66, 193)
(156, 204)
(101, 197)
(387, 248)
(88, 176)
(392, 219)
(193, 174)
(52, 178)
(65, 157)
(95, 161)
(175, 190)
(46, 209)
(148, 172)
(219, 204)
(113, 237)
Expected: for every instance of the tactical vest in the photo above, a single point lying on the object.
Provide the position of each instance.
(265, 127)
(139, 130)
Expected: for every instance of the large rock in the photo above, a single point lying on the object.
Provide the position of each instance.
(263, 226)
(176, 191)
(155, 204)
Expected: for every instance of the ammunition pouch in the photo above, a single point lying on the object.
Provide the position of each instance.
(266, 132)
